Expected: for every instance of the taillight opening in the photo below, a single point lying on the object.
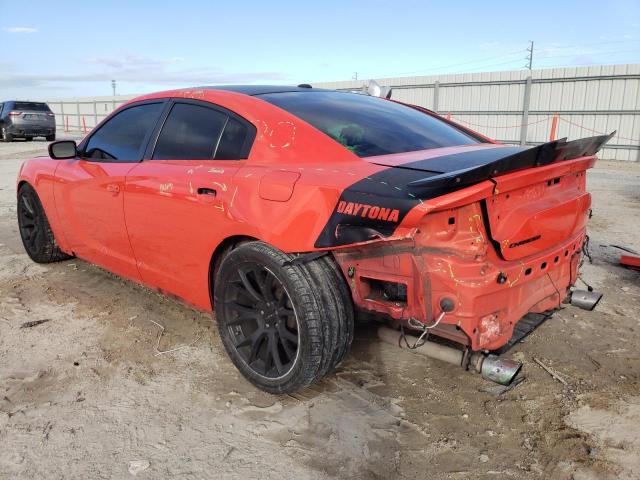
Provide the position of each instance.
(383, 290)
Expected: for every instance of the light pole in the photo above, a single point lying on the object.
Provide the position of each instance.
(113, 87)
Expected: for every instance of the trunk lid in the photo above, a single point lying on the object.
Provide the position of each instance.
(523, 217)
(535, 217)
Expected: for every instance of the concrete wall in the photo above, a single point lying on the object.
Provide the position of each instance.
(502, 105)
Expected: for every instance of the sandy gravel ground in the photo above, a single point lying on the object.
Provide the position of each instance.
(85, 396)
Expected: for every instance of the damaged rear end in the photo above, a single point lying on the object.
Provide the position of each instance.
(485, 235)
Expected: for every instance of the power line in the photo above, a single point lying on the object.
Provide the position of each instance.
(481, 63)
(433, 69)
(565, 46)
(589, 53)
(490, 65)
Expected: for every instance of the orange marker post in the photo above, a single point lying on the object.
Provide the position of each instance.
(554, 127)
(84, 125)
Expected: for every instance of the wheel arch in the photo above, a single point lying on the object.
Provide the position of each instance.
(219, 253)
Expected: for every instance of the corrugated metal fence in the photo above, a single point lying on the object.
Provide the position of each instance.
(519, 106)
(513, 107)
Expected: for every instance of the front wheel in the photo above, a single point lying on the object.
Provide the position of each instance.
(278, 321)
(35, 230)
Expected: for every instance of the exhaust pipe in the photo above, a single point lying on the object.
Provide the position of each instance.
(490, 367)
(499, 370)
(585, 299)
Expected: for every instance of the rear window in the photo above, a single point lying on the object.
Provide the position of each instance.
(369, 125)
(31, 106)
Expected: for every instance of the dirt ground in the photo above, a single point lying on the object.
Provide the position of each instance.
(85, 394)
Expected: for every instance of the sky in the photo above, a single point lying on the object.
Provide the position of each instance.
(56, 49)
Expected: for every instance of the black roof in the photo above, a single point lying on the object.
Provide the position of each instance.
(263, 89)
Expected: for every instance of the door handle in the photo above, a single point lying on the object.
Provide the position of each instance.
(207, 191)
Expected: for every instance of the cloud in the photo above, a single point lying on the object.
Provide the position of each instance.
(128, 67)
(183, 78)
(21, 30)
(128, 60)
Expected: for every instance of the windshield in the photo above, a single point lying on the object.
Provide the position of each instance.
(31, 106)
(369, 125)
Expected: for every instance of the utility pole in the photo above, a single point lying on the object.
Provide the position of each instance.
(530, 56)
(354, 76)
(113, 86)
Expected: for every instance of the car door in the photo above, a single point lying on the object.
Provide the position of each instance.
(177, 199)
(89, 189)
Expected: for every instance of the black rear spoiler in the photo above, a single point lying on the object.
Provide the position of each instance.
(399, 188)
(538, 156)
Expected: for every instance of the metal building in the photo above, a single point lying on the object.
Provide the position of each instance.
(514, 106)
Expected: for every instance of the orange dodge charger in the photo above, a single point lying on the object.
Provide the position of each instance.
(287, 210)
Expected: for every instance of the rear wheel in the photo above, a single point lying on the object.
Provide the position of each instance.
(28, 139)
(35, 231)
(51, 138)
(280, 322)
(6, 136)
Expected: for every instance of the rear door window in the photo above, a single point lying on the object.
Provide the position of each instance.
(233, 143)
(124, 136)
(201, 132)
(369, 125)
(190, 132)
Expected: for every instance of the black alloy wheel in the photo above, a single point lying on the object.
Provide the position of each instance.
(262, 321)
(30, 222)
(35, 231)
(284, 325)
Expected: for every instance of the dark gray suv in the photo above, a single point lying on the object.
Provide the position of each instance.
(26, 120)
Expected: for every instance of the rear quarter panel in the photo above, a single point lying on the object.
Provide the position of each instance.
(288, 187)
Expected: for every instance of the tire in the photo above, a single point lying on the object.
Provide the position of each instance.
(336, 297)
(35, 230)
(282, 324)
(28, 139)
(51, 138)
(6, 136)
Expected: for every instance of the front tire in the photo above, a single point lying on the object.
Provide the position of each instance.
(35, 231)
(278, 321)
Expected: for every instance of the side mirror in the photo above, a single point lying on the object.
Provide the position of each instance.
(63, 149)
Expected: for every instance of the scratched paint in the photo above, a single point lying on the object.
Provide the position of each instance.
(166, 187)
(222, 186)
(283, 135)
